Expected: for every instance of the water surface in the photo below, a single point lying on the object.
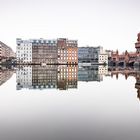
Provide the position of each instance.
(69, 103)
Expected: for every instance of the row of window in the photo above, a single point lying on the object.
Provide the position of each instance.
(65, 51)
(71, 58)
(18, 52)
(24, 47)
(67, 76)
(44, 41)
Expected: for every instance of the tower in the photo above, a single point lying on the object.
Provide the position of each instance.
(137, 44)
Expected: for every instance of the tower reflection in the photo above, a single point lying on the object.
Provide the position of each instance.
(128, 72)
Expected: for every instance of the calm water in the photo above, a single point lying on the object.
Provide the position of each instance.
(69, 103)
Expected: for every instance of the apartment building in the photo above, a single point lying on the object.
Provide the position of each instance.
(6, 53)
(24, 51)
(89, 54)
(44, 51)
(67, 51)
(103, 58)
(41, 51)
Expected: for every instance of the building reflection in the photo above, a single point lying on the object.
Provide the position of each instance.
(67, 77)
(88, 74)
(5, 74)
(137, 84)
(44, 77)
(128, 72)
(51, 76)
(60, 77)
(64, 77)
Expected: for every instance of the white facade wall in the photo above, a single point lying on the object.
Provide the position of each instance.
(103, 70)
(24, 77)
(24, 51)
(103, 58)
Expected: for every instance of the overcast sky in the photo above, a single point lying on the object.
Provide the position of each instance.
(113, 24)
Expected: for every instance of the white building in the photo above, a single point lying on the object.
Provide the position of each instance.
(103, 70)
(24, 51)
(103, 59)
(24, 77)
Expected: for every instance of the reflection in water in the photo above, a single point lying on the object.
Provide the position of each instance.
(89, 74)
(64, 77)
(137, 85)
(129, 71)
(51, 76)
(5, 74)
(82, 116)
(67, 77)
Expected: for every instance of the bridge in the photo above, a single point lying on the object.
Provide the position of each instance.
(124, 59)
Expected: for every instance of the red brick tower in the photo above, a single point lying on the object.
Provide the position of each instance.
(137, 44)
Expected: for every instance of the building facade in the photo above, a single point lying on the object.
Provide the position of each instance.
(41, 51)
(103, 59)
(89, 54)
(137, 44)
(67, 51)
(24, 51)
(44, 51)
(6, 53)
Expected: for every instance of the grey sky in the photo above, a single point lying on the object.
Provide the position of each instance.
(110, 23)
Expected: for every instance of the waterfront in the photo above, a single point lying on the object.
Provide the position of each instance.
(104, 108)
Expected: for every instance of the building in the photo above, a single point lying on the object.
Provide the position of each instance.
(44, 51)
(108, 52)
(89, 54)
(24, 51)
(124, 59)
(137, 44)
(103, 59)
(67, 51)
(36, 51)
(6, 53)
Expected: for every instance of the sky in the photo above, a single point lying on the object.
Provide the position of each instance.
(113, 24)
